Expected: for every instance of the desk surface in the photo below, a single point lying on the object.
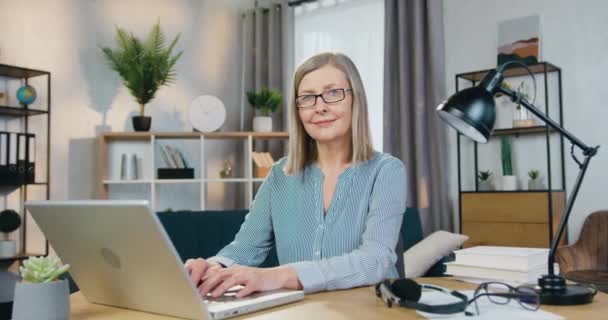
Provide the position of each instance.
(359, 303)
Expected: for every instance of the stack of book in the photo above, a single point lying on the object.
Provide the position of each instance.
(263, 163)
(507, 264)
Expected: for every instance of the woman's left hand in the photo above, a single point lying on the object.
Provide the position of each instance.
(254, 280)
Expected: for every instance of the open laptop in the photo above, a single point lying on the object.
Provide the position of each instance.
(120, 255)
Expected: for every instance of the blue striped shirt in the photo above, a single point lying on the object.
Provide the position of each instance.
(352, 245)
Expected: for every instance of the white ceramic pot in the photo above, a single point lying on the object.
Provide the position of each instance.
(262, 124)
(509, 183)
(8, 248)
(42, 300)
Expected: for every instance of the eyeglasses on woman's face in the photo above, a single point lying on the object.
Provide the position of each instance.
(308, 101)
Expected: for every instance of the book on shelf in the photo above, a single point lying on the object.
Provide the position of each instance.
(510, 258)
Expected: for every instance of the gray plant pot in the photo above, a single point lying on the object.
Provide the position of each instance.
(8, 248)
(486, 185)
(42, 300)
(535, 184)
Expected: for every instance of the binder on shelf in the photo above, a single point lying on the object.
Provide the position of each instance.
(9, 175)
(12, 152)
(30, 158)
(21, 153)
(17, 158)
(3, 150)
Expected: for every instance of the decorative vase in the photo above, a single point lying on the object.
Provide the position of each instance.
(509, 183)
(141, 123)
(535, 184)
(42, 300)
(226, 171)
(8, 248)
(486, 185)
(262, 124)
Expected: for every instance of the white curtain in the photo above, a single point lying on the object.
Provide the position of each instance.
(355, 28)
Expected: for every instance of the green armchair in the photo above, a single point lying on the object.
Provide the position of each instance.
(202, 234)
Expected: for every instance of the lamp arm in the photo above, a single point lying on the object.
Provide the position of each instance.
(566, 214)
(516, 97)
(588, 151)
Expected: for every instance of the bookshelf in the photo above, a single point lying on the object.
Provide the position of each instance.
(27, 118)
(521, 217)
(146, 146)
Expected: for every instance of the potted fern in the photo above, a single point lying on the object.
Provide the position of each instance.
(9, 222)
(485, 180)
(144, 66)
(509, 181)
(266, 101)
(535, 182)
(40, 294)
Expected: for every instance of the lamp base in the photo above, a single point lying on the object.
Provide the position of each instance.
(555, 291)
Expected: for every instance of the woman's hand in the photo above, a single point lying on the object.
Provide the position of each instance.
(254, 280)
(200, 268)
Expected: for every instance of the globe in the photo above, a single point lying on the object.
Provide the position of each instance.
(26, 94)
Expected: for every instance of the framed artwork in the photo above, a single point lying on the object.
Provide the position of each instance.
(519, 39)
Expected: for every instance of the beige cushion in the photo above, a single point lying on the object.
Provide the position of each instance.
(422, 256)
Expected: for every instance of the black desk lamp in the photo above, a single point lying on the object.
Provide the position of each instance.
(472, 113)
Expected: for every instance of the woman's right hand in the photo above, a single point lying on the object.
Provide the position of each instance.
(199, 268)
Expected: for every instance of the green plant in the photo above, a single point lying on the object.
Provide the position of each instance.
(507, 169)
(9, 222)
(267, 100)
(484, 175)
(42, 269)
(534, 174)
(143, 65)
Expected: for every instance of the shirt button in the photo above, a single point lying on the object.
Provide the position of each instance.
(321, 227)
(317, 253)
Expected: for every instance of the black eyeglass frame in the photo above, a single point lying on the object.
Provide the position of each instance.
(514, 293)
(320, 95)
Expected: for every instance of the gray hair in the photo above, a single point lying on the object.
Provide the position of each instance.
(302, 148)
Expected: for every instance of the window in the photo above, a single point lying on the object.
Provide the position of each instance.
(355, 28)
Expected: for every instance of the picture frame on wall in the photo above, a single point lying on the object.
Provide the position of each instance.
(519, 40)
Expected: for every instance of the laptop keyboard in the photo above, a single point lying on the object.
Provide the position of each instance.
(230, 296)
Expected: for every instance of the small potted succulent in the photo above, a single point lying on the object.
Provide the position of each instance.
(266, 101)
(144, 65)
(9, 222)
(535, 182)
(40, 294)
(485, 181)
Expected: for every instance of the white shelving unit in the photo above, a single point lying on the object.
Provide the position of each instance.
(145, 145)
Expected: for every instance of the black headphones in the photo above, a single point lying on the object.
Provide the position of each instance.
(406, 293)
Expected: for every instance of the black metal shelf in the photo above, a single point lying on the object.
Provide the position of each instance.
(22, 184)
(20, 72)
(541, 68)
(20, 111)
(515, 71)
(24, 112)
(521, 131)
(21, 256)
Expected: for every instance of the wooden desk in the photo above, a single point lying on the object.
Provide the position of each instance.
(360, 303)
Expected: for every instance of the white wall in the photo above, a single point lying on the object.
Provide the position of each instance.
(62, 36)
(573, 37)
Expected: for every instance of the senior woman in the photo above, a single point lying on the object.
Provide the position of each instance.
(332, 208)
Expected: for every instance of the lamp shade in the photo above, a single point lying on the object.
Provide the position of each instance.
(471, 112)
